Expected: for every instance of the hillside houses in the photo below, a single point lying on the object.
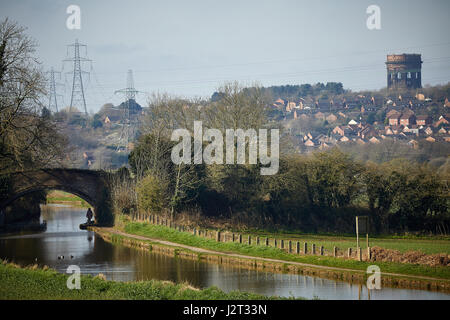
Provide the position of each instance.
(362, 119)
(363, 133)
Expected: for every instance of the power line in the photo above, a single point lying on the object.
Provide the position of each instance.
(352, 68)
(316, 57)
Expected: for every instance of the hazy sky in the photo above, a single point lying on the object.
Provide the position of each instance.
(189, 48)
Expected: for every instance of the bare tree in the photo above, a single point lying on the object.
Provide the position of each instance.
(28, 137)
(152, 155)
(238, 108)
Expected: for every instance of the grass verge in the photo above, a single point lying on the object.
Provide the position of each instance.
(34, 283)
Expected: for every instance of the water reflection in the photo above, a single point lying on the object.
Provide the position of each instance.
(120, 263)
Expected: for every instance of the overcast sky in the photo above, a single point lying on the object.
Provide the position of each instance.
(189, 48)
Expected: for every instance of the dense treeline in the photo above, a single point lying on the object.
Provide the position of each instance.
(322, 191)
(295, 91)
(319, 192)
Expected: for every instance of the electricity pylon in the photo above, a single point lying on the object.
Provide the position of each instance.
(53, 96)
(77, 98)
(128, 126)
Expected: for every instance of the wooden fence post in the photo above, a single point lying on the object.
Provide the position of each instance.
(267, 241)
(321, 250)
(218, 236)
(249, 240)
(297, 247)
(334, 252)
(240, 238)
(313, 248)
(305, 248)
(282, 244)
(290, 246)
(369, 254)
(257, 241)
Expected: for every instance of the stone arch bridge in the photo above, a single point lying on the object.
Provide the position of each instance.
(92, 186)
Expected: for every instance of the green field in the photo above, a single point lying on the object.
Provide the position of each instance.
(61, 197)
(402, 244)
(33, 284)
(165, 233)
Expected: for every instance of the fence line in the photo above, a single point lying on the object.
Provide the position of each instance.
(292, 247)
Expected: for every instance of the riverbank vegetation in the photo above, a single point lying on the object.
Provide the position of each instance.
(185, 238)
(34, 283)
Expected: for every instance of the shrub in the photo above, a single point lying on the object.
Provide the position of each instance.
(151, 192)
(123, 192)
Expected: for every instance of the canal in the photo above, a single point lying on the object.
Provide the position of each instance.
(94, 255)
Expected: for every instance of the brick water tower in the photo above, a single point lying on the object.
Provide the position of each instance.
(404, 71)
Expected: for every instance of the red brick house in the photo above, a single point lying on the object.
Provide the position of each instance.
(394, 119)
(309, 143)
(367, 132)
(407, 119)
(428, 131)
(442, 120)
(423, 120)
(339, 130)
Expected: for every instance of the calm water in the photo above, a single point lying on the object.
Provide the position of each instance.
(93, 255)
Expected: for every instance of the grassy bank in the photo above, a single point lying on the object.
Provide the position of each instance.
(61, 197)
(165, 233)
(34, 283)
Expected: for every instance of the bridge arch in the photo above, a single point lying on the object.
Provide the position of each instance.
(92, 186)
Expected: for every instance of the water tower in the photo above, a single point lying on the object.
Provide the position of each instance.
(404, 71)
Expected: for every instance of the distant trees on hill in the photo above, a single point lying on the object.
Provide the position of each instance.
(296, 91)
